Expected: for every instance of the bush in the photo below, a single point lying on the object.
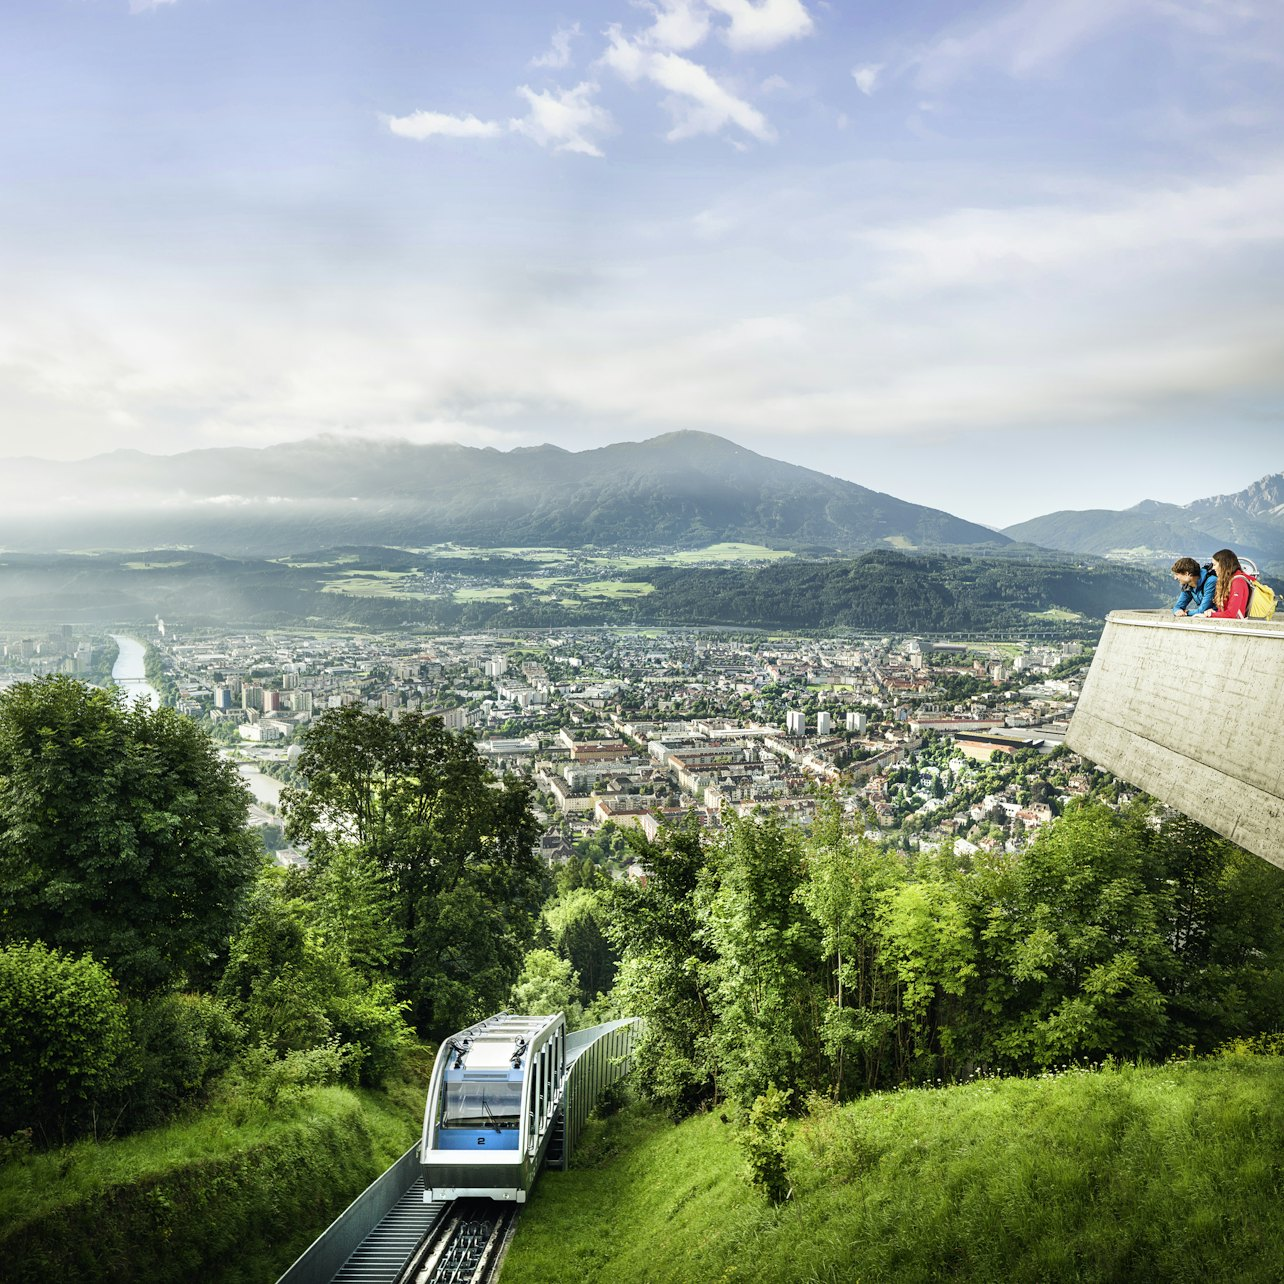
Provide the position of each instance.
(372, 1024)
(263, 1079)
(763, 1141)
(64, 1042)
(184, 1042)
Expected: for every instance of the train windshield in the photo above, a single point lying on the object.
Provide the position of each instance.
(493, 1103)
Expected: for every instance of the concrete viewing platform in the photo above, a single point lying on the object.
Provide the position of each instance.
(1192, 712)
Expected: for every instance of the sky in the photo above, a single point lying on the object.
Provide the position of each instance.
(999, 258)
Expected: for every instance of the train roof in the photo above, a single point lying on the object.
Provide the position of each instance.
(494, 1044)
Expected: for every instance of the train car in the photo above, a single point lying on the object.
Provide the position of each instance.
(492, 1102)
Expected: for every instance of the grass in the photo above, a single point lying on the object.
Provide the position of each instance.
(1054, 613)
(229, 1194)
(1169, 1173)
(484, 594)
(616, 588)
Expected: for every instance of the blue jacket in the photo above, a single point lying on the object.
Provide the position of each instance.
(1199, 599)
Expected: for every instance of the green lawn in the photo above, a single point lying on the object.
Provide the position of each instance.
(1171, 1173)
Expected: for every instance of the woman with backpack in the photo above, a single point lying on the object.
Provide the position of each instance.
(1230, 601)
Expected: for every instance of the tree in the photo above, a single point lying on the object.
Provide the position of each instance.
(580, 920)
(547, 984)
(296, 989)
(454, 847)
(122, 833)
(664, 973)
(767, 951)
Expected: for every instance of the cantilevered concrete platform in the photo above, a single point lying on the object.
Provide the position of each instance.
(1192, 711)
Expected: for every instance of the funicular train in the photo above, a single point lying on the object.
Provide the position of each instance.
(510, 1092)
(492, 1104)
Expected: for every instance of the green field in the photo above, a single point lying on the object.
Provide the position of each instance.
(376, 584)
(1170, 1173)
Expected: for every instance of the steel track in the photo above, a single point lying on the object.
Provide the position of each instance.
(465, 1246)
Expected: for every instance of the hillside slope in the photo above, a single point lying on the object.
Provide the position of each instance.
(1169, 1173)
(683, 489)
(1251, 521)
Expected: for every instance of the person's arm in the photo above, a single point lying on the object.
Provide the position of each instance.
(1183, 601)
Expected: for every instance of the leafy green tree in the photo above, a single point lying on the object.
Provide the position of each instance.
(455, 847)
(664, 974)
(767, 950)
(64, 1041)
(122, 833)
(1076, 945)
(547, 984)
(295, 990)
(846, 878)
(580, 923)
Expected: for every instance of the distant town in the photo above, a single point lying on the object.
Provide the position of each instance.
(923, 740)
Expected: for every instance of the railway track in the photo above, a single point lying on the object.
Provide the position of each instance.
(466, 1245)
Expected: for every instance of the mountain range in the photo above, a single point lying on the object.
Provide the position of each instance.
(1251, 521)
(682, 489)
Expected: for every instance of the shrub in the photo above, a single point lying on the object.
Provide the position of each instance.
(64, 1041)
(763, 1140)
(184, 1042)
(373, 1025)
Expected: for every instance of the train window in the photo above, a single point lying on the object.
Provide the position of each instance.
(492, 1103)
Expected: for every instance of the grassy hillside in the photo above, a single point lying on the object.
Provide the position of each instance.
(1170, 1173)
(227, 1195)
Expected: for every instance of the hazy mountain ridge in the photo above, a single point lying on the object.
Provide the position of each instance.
(1251, 521)
(683, 489)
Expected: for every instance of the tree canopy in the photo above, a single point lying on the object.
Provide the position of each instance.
(454, 846)
(122, 833)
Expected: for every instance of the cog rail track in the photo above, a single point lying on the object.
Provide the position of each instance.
(466, 1246)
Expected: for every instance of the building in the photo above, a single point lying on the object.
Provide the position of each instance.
(823, 723)
(857, 722)
(796, 723)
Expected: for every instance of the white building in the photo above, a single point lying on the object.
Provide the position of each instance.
(796, 723)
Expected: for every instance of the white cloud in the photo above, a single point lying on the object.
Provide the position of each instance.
(1024, 40)
(698, 102)
(142, 6)
(428, 124)
(559, 53)
(985, 247)
(566, 120)
(765, 24)
(679, 25)
(866, 77)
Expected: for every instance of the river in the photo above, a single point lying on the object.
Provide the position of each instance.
(129, 672)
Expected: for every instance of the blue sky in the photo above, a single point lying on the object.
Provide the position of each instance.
(1000, 258)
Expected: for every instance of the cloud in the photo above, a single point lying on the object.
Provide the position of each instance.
(142, 6)
(763, 25)
(428, 124)
(698, 103)
(559, 53)
(679, 25)
(987, 247)
(866, 77)
(565, 120)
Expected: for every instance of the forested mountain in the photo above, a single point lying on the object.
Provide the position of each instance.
(1251, 521)
(683, 489)
(883, 591)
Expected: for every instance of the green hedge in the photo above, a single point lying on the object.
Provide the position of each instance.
(240, 1216)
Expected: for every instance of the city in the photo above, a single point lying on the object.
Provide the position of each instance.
(647, 727)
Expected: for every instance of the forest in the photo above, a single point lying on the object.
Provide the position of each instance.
(155, 967)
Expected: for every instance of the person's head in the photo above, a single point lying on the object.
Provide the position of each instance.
(1186, 572)
(1226, 564)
